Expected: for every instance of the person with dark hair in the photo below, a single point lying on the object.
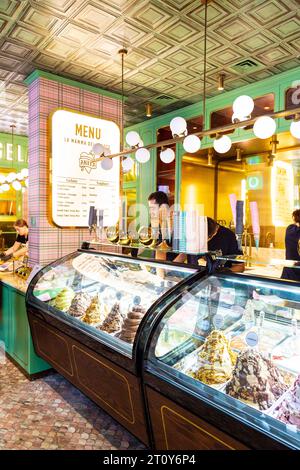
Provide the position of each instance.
(292, 247)
(20, 247)
(222, 238)
(158, 197)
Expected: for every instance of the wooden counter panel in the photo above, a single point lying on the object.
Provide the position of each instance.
(52, 346)
(113, 388)
(175, 428)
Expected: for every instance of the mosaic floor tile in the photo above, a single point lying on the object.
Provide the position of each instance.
(49, 413)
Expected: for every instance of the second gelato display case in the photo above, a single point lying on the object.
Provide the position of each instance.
(222, 363)
(86, 312)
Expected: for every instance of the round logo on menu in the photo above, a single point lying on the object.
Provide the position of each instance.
(251, 339)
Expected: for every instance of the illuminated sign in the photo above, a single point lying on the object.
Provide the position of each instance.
(255, 181)
(78, 181)
(282, 193)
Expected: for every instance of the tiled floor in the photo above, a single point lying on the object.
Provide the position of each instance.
(49, 413)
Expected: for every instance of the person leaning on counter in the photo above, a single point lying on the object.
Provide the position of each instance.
(20, 247)
(219, 238)
(292, 248)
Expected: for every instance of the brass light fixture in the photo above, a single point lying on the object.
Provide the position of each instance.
(274, 142)
(148, 109)
(238, 154)
(210, 157)
(221, 78)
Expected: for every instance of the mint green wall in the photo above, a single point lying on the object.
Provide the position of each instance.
(15, 331)
(15, 164)
(18, 162)
(277, 84)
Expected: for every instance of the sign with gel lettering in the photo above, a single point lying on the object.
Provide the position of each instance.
(78, 181)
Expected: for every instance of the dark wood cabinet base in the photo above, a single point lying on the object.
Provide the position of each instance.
(113, 388)
(174, 428)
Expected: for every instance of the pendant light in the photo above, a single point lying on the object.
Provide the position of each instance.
(222, 144)
(243, 106)
(295, 127)
(264, 127)
(191, 143)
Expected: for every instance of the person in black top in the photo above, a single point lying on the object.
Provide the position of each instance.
(20, 247)
(292, 247)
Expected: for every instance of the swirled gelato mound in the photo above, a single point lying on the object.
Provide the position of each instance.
(114, 320)
(131, 323)
(79, 304)
(256, 379)
(93, 315)
(216, 360)
(288, 410)
(63, 300)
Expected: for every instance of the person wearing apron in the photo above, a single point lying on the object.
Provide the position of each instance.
(20, 247)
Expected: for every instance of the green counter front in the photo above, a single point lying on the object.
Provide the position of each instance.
(15, 336)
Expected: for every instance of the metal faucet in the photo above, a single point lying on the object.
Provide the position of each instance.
(269, 240)
(247, 242)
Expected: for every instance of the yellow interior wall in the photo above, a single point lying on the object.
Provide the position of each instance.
(197, 187)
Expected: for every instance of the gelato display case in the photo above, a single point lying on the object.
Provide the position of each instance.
(221, 365)
(86, 313)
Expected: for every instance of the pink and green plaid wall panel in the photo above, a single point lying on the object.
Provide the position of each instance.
(47, 242)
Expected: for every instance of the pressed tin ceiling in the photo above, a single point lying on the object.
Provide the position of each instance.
(80, 39)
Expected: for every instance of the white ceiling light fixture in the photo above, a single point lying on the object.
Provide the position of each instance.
(264, 127)
(222, 144)
(24, 172)
(107, 163)
(133, 138)
(5, 187)
(11, 177)
(191, 144)
(142, 155)
(127, 164)
(167, 155)
(98, 149)
(17, 185)
(295, 127)
(243, 106)
(178, 126)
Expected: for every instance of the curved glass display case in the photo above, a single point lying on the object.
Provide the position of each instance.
(86, 312)
(222, 364)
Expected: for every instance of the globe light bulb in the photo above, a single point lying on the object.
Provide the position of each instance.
(142, 155)
(264, 127)
(127, 164)
(5, 187)
(243, 105)
(167, 156)
(295, 129)
(191, 143)
(17, 185)
(107, 164)
(2, 179)
(98, 149)
(132, 138)
(24, 172)
(11, 176)
(222, 144)
(19, 176)
(178, 125)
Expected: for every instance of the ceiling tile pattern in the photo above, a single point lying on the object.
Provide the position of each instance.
(80, 39)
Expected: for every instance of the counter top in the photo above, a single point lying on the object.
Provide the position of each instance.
(14, 281)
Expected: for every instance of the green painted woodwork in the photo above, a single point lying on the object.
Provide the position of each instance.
(67, 81)
(276, 84)
(15, 331)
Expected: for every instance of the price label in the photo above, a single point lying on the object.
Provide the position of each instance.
(251, 339)
(218, 321)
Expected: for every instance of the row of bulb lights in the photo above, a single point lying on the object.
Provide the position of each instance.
(14, 180)
(263, 128)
